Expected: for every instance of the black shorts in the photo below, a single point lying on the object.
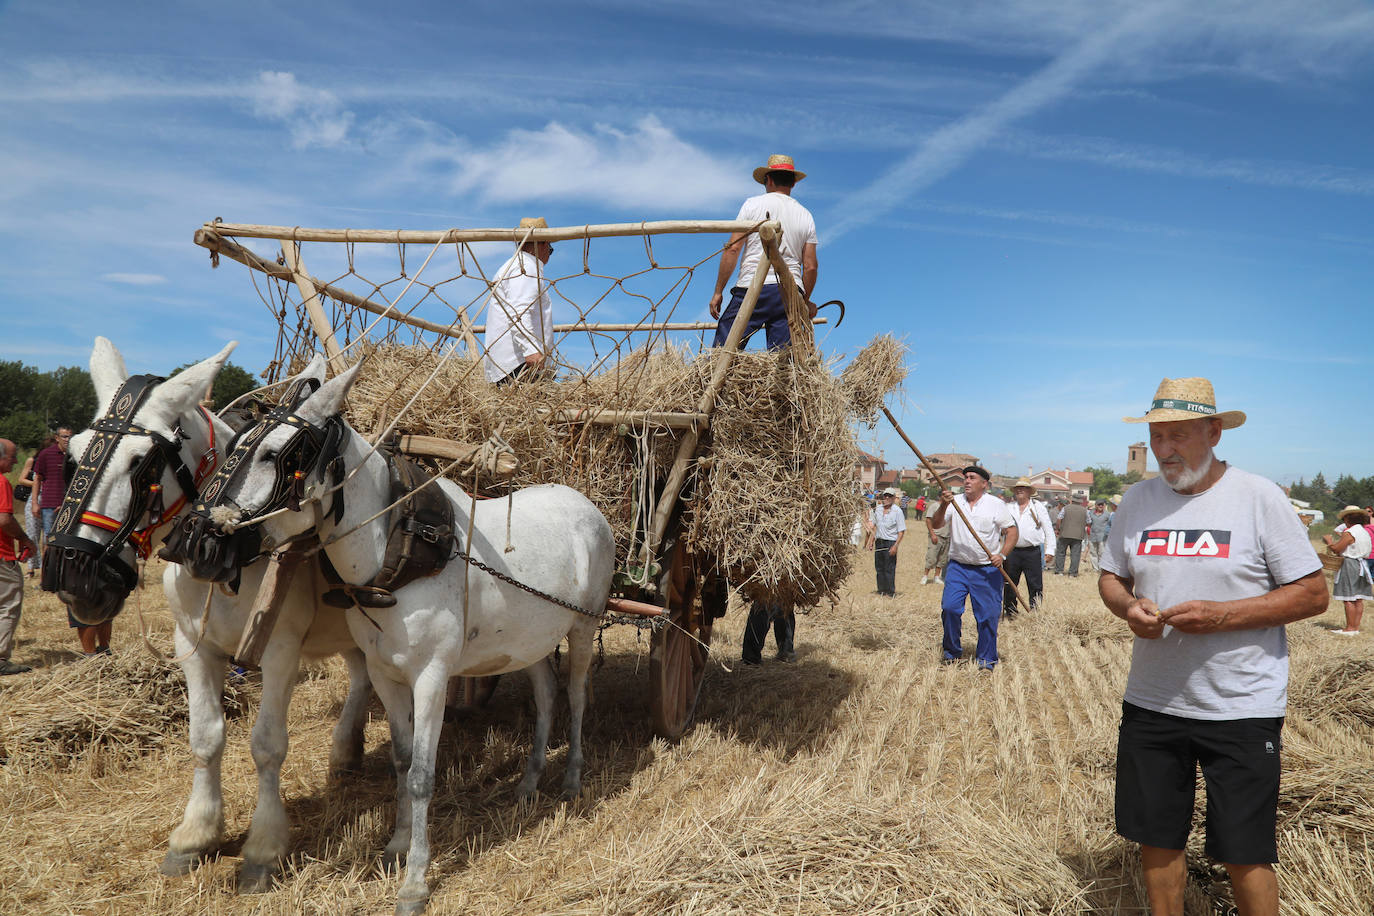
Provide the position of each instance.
(1156, 773)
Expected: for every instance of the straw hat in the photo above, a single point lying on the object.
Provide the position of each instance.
(1351, 510)
(1186, 399)
(533, 222)
(777, 163)
(1023, 482)
(1116, 500)
(893, 491)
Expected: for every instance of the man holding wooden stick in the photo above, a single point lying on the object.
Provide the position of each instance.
(972, 573)
(797, 246)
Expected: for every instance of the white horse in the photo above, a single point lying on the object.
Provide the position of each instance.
(462, 621)
(171, 411)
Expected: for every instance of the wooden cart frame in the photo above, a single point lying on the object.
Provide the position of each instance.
(693, 593)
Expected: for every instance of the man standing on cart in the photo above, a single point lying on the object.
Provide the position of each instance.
(519, 336)
(797, 246)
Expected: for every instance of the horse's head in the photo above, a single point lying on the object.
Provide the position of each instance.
(274, 464)
(140, 463)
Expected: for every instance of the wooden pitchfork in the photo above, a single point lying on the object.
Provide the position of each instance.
(935, 475)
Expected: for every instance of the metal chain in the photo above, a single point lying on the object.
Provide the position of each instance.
(471, 560)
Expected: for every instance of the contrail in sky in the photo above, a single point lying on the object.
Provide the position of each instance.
(948, 148)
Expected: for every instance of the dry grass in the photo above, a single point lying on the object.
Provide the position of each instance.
(772, 500)
(864, 778)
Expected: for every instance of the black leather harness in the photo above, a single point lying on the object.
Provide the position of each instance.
(85, 569)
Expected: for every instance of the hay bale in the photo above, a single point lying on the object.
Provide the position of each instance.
(123, 703)
(874, 373)
(773, 500)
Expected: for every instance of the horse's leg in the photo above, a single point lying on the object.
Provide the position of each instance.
(541, 677)
(430, 691)
(265, 846)
(346, 753)
(579, 664)
(202, 825)
(399, 705)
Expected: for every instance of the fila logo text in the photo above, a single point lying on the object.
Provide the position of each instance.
(1184, 542)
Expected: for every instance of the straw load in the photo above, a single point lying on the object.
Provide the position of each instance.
(769, 496)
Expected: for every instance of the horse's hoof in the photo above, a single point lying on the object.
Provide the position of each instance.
(256, 878)
(411, 906)
(175, 864)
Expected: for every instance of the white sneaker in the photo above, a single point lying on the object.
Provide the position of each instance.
(925, 580)
(939, 581)
(1346, 632)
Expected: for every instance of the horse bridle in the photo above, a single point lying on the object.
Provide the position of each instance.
(202, 544)
(85, 568)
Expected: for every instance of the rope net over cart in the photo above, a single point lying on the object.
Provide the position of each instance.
(745, 456)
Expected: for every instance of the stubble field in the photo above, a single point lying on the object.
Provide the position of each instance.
(863, 778)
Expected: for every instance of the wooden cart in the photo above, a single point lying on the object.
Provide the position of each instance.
(683, 591)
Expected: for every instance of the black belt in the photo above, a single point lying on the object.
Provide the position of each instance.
(1028, 547)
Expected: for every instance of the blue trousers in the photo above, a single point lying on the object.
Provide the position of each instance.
(983, 585)
(769, 313)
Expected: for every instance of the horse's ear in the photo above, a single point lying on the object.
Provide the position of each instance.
(328, 401)
(107, 371)
(183, 391)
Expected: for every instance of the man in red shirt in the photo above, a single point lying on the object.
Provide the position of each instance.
(12, 535)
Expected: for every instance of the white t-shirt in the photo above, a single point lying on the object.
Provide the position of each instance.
(519, 316)
(888, 523)
(1238, 539)
(1033, 527)
(798, 229)
(989, 517)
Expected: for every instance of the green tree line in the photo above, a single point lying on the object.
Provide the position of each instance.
(34, 403)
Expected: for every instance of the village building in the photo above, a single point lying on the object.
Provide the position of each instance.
(867, 470)
(1065, 485)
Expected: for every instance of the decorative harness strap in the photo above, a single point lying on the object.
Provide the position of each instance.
(145, 480)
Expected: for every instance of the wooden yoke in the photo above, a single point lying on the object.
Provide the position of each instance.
(281, 569)
(798, 310)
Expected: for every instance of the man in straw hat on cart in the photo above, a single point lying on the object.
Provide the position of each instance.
(1035, 544)
(797, 246)
(975, 570)
(519, 335)
(1206, 564)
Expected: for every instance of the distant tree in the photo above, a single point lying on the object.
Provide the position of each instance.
(23, 427)
(231, 382)
(1106, 482)
(66, 397)
(18, 384)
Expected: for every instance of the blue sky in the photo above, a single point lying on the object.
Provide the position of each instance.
(1056, 203)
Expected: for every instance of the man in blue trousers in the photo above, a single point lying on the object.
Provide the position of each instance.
(970, 573)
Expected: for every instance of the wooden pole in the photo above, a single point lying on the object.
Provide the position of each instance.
(669, 419)
(936, 474)
(452, 236)
(798, 317)
(309, 295)
(686, 451)
(212, 241)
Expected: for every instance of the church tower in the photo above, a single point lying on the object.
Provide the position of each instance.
(1135, 459)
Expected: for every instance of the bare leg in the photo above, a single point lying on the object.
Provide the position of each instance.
(1256, 889)
(87, 636)
(1165, 878)
(541, 677)
(102, 634)
(430, 690)
(1354, 611)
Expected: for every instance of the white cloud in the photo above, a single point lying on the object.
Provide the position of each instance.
(134, 279)
(645, 166)
(316, 117)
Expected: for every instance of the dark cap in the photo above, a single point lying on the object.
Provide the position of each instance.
(975, 469)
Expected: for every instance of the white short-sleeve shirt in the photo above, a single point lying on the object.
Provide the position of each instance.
(519, 316)
(798, 229)
(989, 517)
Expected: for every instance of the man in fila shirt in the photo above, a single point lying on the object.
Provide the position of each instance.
(1206, 564)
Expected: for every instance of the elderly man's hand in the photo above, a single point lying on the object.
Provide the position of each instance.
(534, 360)
(946, 496)
(1142, 616)
(1195, 617)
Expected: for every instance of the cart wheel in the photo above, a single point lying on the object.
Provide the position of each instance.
(466, 694)
(677, 659)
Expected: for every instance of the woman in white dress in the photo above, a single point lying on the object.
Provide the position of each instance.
(1351, 541)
